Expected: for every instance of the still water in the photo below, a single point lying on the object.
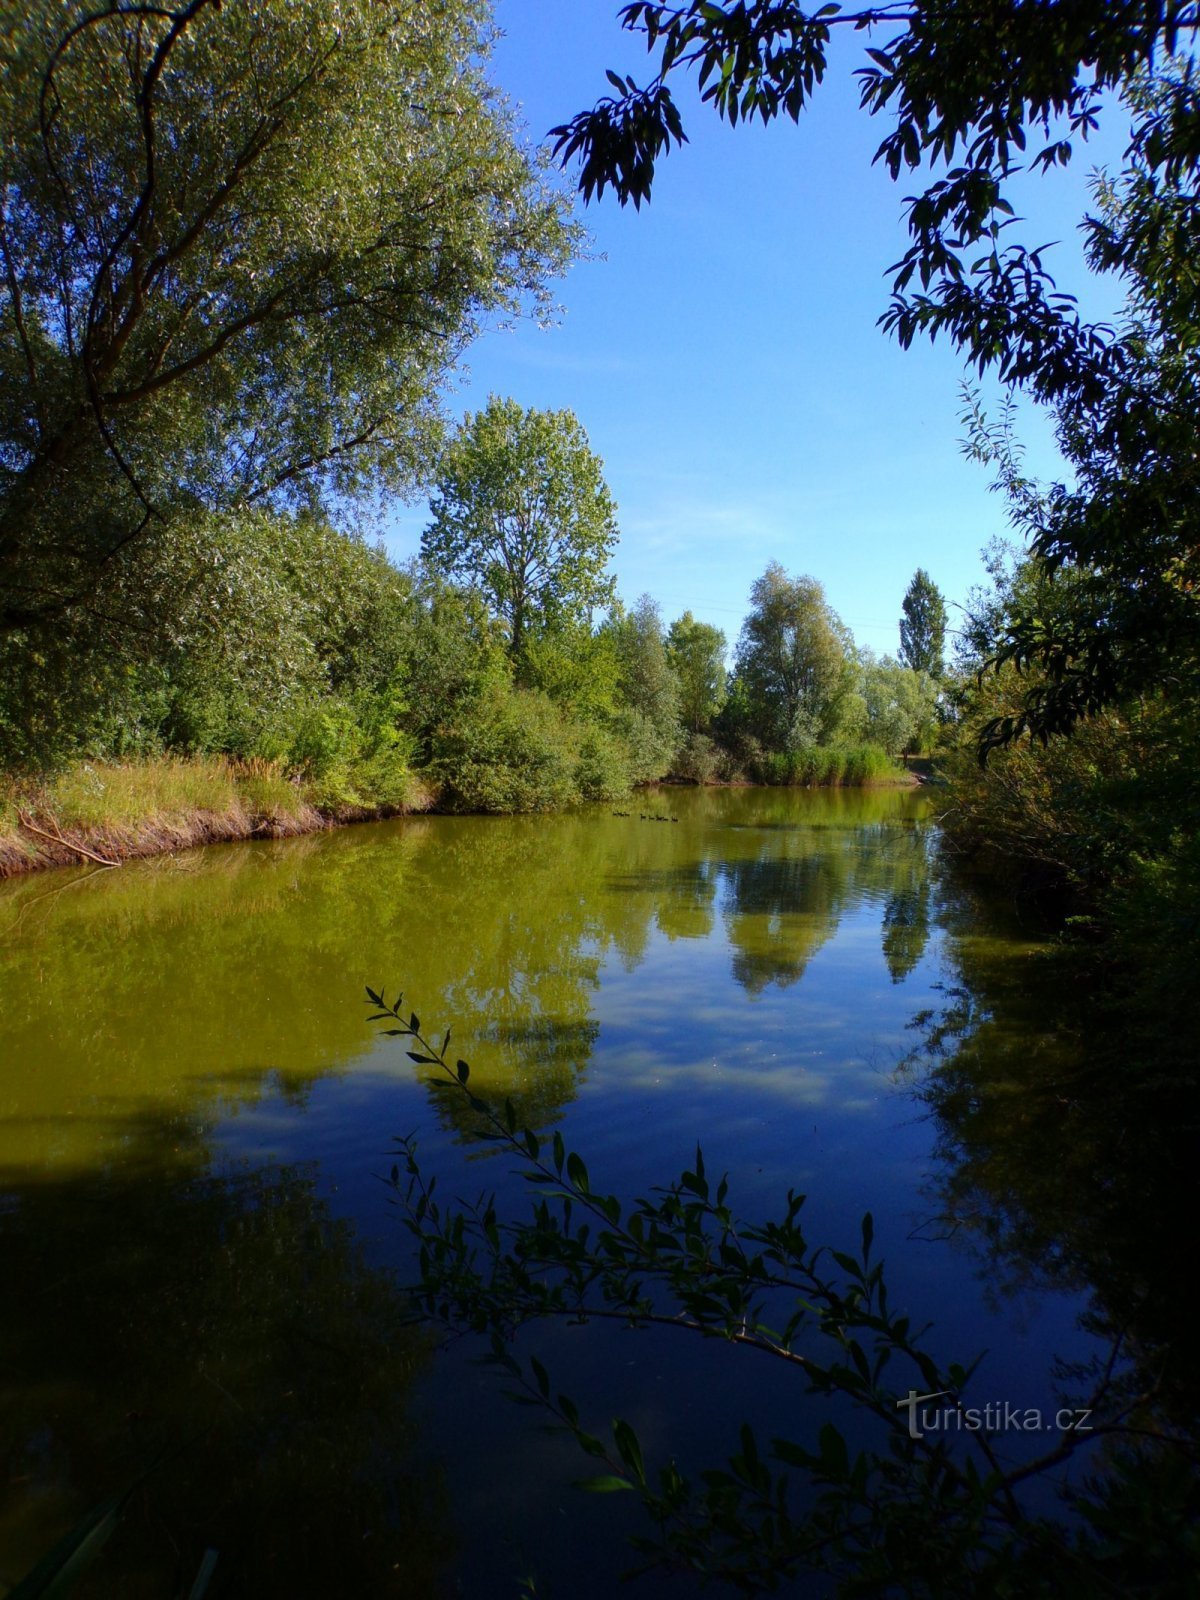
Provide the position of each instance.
(199, 1263)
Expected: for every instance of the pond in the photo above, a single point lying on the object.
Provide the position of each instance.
(200, 1262)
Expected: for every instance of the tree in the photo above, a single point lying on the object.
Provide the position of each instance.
(522, 509)
(923, 626)
(241, 248)
(697, 653)
(790, 659)
(967, 86)
(900, 704)
(1113, 612)
(647, 688)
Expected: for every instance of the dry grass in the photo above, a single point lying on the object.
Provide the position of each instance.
(111, 811)
(269, 796)
(159, 793)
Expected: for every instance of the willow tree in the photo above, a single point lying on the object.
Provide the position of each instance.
(790, 662)
(241, 247)
(697, 653)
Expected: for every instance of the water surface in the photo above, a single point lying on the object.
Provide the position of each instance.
(198, 1256)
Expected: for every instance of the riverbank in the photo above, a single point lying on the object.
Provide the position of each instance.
(105, 813)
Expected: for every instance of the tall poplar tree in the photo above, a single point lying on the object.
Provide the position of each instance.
(923, 626)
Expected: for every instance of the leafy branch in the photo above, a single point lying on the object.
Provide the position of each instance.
(916, 1509)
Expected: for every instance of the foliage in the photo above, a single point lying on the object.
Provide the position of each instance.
(1123, 535)
(576, 664)
(603, 768)
(522, 509)
(647, 689)
(923, 626)
(195, 313)
(790, 660)
(826, 766)
(909, 1512)
(515, 750)
(698, 760)
(900, 705)
(696, 651)
(966, 88)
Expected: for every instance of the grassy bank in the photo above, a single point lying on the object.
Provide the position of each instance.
(109, 812)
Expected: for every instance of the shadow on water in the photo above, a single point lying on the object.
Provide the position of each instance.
(224, 1325)
(1066, 1142)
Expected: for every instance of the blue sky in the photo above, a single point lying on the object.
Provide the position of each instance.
(721, 349)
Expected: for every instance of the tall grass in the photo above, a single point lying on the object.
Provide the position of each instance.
(830, 767)
(265, 792)
(100, 796)
(111, 810)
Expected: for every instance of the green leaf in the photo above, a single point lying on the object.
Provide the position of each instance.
(577, 1172)
(628, 1448)
(606, 1483)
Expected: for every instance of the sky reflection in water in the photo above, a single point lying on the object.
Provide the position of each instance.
(184, 1054)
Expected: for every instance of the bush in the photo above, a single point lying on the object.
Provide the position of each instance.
(513, 751)
(698, 760)
(602, 771)
(650, 747)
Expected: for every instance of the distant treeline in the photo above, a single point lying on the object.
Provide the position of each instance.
(283, 641)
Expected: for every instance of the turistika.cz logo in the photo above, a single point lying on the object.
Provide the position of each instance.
(998, 1416)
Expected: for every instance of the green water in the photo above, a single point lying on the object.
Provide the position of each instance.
(198, 1258)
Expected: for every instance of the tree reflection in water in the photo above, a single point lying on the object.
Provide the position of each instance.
(228, 1322)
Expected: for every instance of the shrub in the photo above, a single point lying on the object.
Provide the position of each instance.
(698, 760)
(512, 751)
(602, 771)
(650, 747)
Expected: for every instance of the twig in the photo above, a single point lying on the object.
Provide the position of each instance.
(57, 838)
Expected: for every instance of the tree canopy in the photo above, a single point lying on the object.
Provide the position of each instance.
(923, 626)
(647, 685)
(1116, 615)
(697, 653)
(974, 94)
(522, 509)
(242, 246)
(790, 659)
(966, 87)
